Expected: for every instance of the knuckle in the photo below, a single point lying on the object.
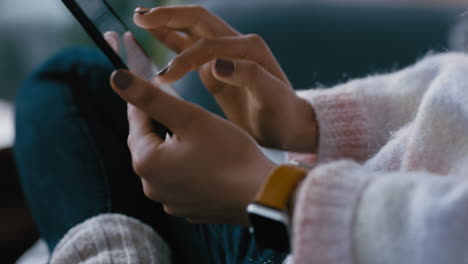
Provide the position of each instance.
(152, 193)
(261, 47)
(130, 142)
(169, 210)
(138, 167)
(172, 211)
(199, 53)
(146, 162)
(208, 47)
(149, 192)
(158, 9)
(256, 39)
(199, 9)
(205, 43)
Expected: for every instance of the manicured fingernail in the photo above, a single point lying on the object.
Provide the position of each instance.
(122, 79)
(163, 71)
(224, 67)
(142, 10)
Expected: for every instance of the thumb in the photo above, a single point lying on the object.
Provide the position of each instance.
(249, 75)
(170, 111)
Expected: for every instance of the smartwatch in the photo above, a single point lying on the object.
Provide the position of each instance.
(268, 214)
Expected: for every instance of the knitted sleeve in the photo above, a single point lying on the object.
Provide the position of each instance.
(408, 203)
(111, 238)
(357, 118)
(349, 214)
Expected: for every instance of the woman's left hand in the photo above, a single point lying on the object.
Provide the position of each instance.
(207, 172)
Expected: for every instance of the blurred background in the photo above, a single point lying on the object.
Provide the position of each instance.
(32, 31)
(317, 44)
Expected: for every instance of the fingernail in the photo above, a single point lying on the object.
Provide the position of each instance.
(142, 10)
(163, 71)
(122, 79)
(224, 67)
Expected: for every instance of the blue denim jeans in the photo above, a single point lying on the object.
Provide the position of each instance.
(74, 163)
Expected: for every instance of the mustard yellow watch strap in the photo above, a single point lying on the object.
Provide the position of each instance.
(279, 185)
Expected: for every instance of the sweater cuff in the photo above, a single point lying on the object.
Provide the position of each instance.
(343, 124)
(111, 238)
(325, 211)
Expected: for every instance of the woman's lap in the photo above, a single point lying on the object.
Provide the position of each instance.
(74, 162)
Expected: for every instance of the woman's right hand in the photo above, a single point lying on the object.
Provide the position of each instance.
(239, 70)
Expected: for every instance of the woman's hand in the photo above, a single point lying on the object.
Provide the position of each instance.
(239, 70)
(207, 172)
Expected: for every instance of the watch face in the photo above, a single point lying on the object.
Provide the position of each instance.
(270, 232)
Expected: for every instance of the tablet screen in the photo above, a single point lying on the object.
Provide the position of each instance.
(104, 27)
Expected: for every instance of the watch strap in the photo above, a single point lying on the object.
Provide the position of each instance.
(276, 191)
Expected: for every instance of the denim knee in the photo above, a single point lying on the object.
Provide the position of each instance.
(55, 147)
(74, 69)
(76, 78)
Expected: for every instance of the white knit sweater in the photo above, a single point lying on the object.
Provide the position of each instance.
(391, 183)
(405, 197)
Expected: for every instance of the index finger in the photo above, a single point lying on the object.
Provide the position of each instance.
(194, 19)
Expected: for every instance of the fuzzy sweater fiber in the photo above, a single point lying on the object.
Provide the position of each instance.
(391, 183)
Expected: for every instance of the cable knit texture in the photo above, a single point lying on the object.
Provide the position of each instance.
(334, 197)
(402, 195)
(111, 238)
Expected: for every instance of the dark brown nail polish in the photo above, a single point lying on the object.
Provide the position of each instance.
(163, 71)
(224, 68)
(122, 79)
(142, 10)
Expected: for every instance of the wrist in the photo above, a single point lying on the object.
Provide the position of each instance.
(269, 212)
(304, 135)
(259, 175)
(293, 199)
